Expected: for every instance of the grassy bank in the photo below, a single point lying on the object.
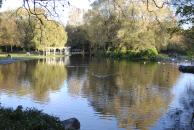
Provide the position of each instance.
(29, 119)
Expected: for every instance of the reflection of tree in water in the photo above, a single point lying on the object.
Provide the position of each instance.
(137, 95)
(47, 77)
(12, 75)
(32, 77)
(168, 75)
(77, 74)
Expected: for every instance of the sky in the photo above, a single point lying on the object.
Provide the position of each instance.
(63, 15)
(8, 4)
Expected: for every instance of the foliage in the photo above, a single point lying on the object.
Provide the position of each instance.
(121, 27)
(181, 41)
(8, 30)
(30, 119)
(77, 37)
(114, 26)
(45, 35)
(30, 32)
(185, 9)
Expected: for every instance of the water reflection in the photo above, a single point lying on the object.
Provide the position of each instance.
(34, 78)
(118, 94)
(136, 94)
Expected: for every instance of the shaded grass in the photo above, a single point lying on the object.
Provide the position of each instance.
(28, 119)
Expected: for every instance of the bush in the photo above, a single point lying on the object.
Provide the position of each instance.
(147, 54)
(190, 54)
(150, 52)
(29, 119)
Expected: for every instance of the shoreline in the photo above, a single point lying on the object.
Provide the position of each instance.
(17, 57)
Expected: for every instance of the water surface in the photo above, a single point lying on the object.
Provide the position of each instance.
(103, 94)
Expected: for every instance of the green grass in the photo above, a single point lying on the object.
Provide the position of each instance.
(28, 119)
(27, 56)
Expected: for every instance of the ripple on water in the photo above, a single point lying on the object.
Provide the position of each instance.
(137, 98)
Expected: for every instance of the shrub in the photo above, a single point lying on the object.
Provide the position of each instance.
(29, 119)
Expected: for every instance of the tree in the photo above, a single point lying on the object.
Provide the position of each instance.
(9, 35)
(185, 9)
(37, 35)
(77, 37)
(121, 26)
(26, 28)
(45, 35)
(18, 28)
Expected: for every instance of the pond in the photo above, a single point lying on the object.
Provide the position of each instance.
(103, 94)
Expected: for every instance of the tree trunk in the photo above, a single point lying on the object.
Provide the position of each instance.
(6, 48)
(90, 52)
(11, 48)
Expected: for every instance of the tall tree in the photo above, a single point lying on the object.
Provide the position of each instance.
(122, 26)
(9, 35)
